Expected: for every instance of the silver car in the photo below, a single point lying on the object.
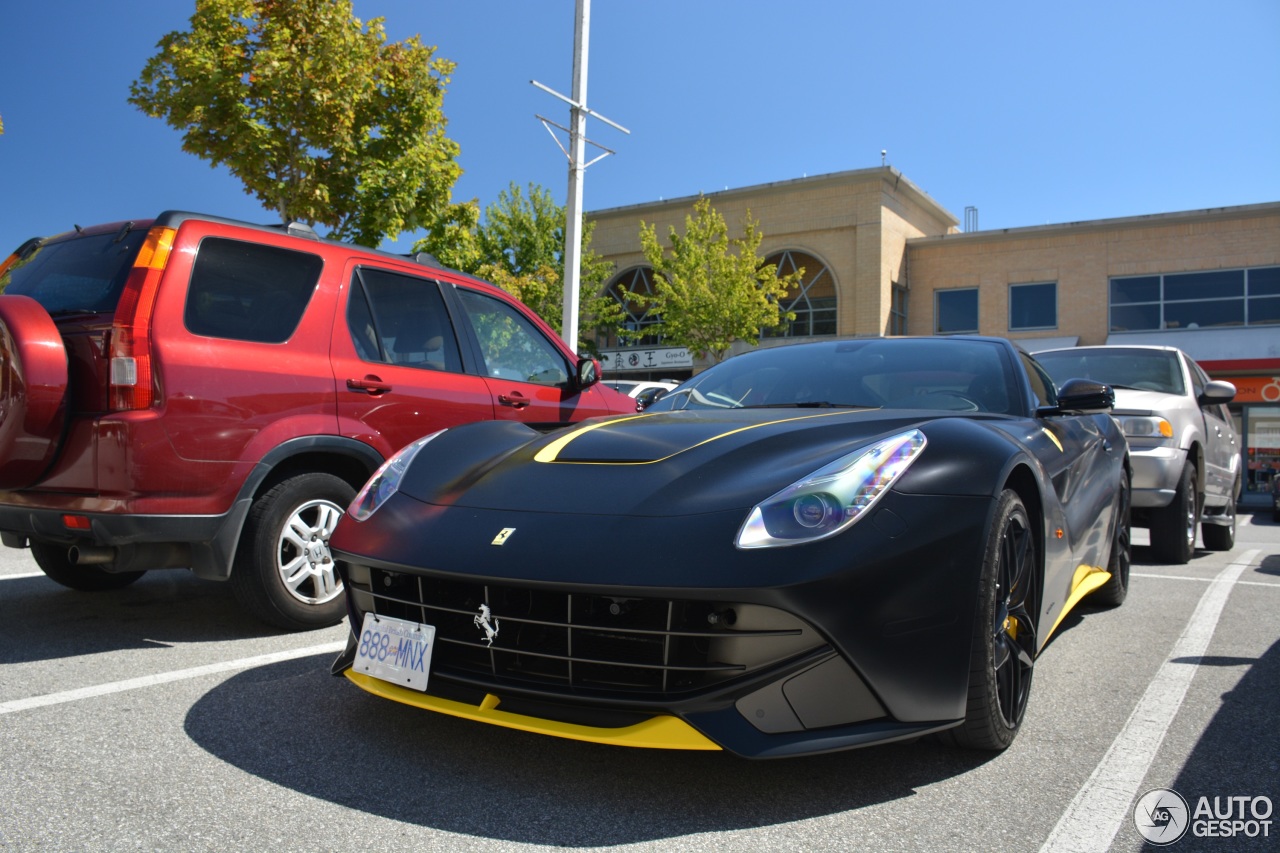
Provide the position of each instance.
(1182, 441)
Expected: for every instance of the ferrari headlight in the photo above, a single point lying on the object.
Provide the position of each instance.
(1145, 427)
(831, 498)
(386, 480)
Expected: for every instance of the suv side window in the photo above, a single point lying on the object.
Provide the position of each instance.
(401, 319)
(249, 292)
(512, 347)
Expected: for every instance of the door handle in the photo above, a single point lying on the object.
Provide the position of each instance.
(370, 384)
(515, 399)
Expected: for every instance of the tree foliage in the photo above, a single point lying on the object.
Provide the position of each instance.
(712, 290)
(519, 246)
(321, 119)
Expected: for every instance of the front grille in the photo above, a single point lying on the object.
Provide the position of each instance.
(575, 643)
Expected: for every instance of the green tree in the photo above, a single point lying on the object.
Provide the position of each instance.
(712, 290)
(519, 246)
(321, 119)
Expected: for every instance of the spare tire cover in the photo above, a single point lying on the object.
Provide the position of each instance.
(33, 390)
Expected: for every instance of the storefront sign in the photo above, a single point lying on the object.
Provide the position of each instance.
(1255, 389)
(645, 359)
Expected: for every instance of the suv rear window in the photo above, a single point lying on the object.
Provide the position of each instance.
(249, 292)
(79, 275)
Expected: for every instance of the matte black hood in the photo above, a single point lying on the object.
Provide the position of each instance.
(660, 464)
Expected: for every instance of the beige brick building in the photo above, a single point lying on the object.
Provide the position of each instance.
(882, 257)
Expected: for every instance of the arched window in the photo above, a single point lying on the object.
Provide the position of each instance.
(813, 302)
(638, 318)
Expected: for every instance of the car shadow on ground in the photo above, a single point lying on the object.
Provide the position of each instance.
(459, 776)
(169, 606)
(1238, 754)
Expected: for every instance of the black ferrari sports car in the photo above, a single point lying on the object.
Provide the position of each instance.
(804, 548)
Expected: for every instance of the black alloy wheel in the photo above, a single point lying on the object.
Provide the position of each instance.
(1114, 591)
(1005, 633)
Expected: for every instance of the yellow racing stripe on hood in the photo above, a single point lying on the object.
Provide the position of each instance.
(552, 451)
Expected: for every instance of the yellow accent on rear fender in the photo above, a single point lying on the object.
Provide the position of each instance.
(661, 732)
(1085, 581)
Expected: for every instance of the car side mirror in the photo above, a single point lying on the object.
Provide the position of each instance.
(1217, 391)
(1081, 397)
(588, 372)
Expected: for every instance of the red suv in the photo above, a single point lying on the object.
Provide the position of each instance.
(202, 393)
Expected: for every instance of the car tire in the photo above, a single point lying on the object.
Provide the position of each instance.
(1221, 537)
(283, 572)
(1004, 639)
(1116, 589)
(1173, 528)
(53, 560)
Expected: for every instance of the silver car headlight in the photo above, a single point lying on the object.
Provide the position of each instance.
(1148, 427)
(385, 482)
(832, 498)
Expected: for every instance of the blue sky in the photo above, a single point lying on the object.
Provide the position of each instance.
(1032, 112)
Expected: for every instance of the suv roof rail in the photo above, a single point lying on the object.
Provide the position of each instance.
(425, 258)
(296, 229)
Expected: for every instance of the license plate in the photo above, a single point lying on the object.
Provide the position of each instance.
(395, 650)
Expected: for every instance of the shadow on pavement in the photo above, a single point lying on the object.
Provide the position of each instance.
(161, 607)
(1238, 753)
(302, 729)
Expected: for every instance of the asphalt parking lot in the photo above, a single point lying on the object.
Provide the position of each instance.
(160, 718)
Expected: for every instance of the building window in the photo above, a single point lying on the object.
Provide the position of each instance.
(1033, 306)
(1193, 300)
(898, 310)
(637, 280)
(813, 302)
(955, 312)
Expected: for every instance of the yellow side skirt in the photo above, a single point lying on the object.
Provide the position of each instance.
(1086, 580)
(661, 732)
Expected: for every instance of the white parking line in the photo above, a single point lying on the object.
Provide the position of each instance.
(1094, 817)
(23, 575)
(1202, 580)
(164, 678)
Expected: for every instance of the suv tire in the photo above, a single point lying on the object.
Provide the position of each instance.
(53, 560)
(1173, 528)
(283, 571)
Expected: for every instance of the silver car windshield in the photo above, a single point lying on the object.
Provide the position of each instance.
(1146, 370)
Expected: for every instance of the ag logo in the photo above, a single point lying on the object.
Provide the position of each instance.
(503, 535)
(1161, 816)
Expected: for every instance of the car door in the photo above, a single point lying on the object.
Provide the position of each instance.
(1083, 445)
(397, 362)
(1221, 451)
(530, 378)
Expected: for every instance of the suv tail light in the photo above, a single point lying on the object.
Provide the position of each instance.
(131, 385)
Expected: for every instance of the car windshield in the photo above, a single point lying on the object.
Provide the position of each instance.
(78, 275)
(1147, 370)
(926, 373)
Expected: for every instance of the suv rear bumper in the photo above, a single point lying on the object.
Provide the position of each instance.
(204, 543)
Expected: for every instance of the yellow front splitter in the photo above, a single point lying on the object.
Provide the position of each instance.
(661, 732)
